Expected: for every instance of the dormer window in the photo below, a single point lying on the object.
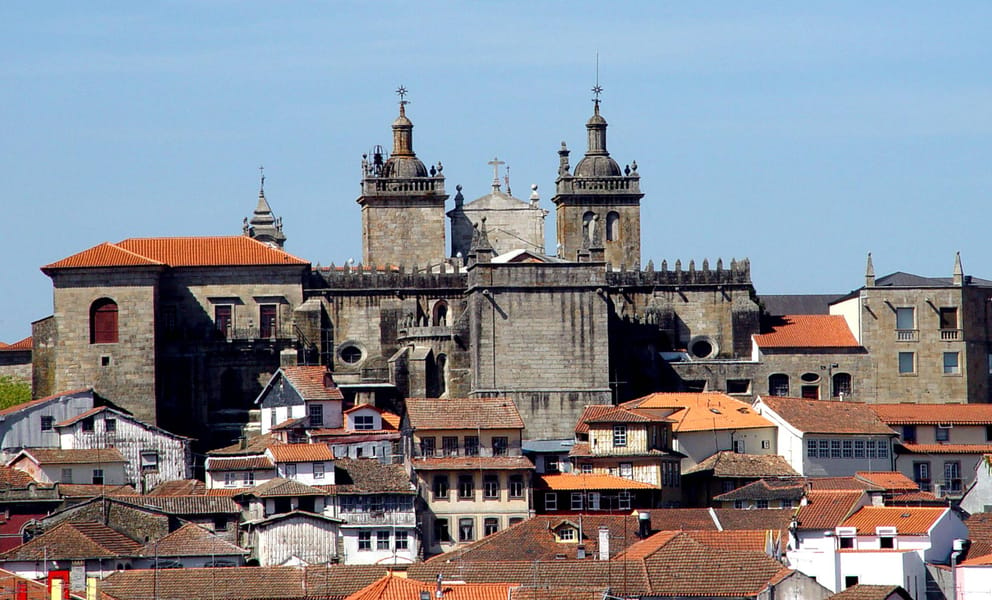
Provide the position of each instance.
(566, 534)
(364, 422)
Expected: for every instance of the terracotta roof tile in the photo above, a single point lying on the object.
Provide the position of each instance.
(74, 456)
(178, 252)
(292, 453)
(730, 464)
(808, 331)
(239, 464)
(186, 505)
(392, 587)
(828, 509)
(703, 411)
(842, 483)
(892, 481)
(978, 561)
(624, 578)
(777, 519)
(280, 486)
(448, 463)
(767, 489)
(90, 490)
(75, 541)
(934, 414)
(191, 540)
(591, 412)
(872, 592)
(18, 346)
(368, 475)
(980, 533)
(283, 583)
(10, 583)
(825, 416)
(917, 499)
(754, 540)
(389, 420)
(588, 481)
(310, 381)
(179, 487)
(252, 446)
(14, 478)
(463, 413)
(944, 448)
(908, 520)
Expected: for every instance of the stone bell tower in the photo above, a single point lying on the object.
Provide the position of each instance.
(402, 203)
(598, 195)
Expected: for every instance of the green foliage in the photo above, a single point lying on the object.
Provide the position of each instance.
(13, 391)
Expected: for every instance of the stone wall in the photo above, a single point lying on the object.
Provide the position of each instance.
(44, 341)
(16, 364)
(403, 231)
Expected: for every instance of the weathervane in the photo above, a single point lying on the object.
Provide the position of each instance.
(401, 91)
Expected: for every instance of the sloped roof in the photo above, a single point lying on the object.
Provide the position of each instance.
(281, 486)
(730, 464)
(766, 489)
(186, 505)
(75, 541)
(72, 456)
(752, 540)
(14, 478)
(842, 483)
(239, 463)
(798, 304)
(309, 382)
(893, 481)
(872, 592)
(369, 476)
(588, 481)
(389, 420)
(178, 252)
(463, 413)
(777, 519)
(18, 346)
(980, 533)
(807, 331)
(934, 414)
(19, 407)
(179, 487)
(944, 448)
(703, 411)
(392, 587)
(36, 590)
(826, 416)
(605, 413)
(826, 509)
(191, 540)
(254, 445)
(464, 463)
(908, 520)
(92, 490)
(291, 453)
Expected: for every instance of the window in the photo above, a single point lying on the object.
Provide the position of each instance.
(738, 386)
(66, 476)
(490, 526)
(382, 540)
(440, 487)
(466, 487)
(739, 447)
(842, 384)
(466, 527)
(364, 422)
(850, 580)
(441, 531)
(739, 504)
(351, 354)
(110, 425)
(427, 446)
(149, 462)
(624, 500)
(566, 534)
(439, 317)
(490, 486)
(921, 475)
(907, 363)
(988, 433)
(248, 478)
(952, 476)
(859, 448)
(835, 451)
(886, 541)
(550, 501)
(585, 468)
(627, 470)
(592, 500)
(951, 366)
(766, 444)
(824, 449)
(47, 423)
(909, 433)
(105, 360)
(267, 321)
(500, 445)
(619, 435)
(762, 504)
(942, 433)
(587, 219)
(315, 414)
(97, 476)
(670, 475)
(778, 385)
(948, 317)
(906, 318)
(811, 448)
(364, 540)
(449, 445)
(103, 322)
(471, 445)
(220, 523)
(224, 319)
(810, 392)
(848, 449)
(87, 424)
(230, 479)
(727, 485)
(516, 486)
(847, 542)
(612, 226)
(402, 540)
(290, 469)
(578, 500)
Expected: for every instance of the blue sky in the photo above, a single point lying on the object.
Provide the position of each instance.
(799, 134)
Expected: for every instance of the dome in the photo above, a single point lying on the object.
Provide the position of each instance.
(597, 165)
(397, 167)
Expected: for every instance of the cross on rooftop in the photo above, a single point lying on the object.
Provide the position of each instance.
(496, 162)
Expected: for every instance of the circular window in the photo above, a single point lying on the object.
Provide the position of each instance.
(702, 346)
(810, 377)
(351, 354)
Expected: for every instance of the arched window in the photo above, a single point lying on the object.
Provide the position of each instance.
(440, 317)
(778, 385)
(612, 226)
(842, 384)
(103, 322)
(587, 224)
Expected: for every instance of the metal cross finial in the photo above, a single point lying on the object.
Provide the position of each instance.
(261, 171)
(496, 162)
(401, 91)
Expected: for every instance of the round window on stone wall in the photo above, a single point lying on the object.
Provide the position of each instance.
(810, 377)
(702, 346)
(351, 354)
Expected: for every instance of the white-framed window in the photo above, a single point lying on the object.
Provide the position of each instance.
(907, 363)
(230, 479)
(550, 501)
(364, 422)
(382, 540)
(566, 534)
(592, 500)
(318, 470)
(149, 461)
(364, 540)
(625, 500)
(249, 478)
(402, 540)
(585, 468)
(290, 470)
(627, 470)
(859, 448)
(466, 529)
(619, 435)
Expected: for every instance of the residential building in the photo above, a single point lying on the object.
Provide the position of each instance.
(812, 540)
(368, 432)
(393, 586)
(829, 438)
(465, 456)
(305, 395)
(764, 493)
(190, 546)
(98, 466)
(32, 424)
(311, 464)
(293, 538)
(726, 471)
(241, 465)
(576, 492)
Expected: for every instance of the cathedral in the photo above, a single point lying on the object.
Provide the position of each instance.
(184, 332)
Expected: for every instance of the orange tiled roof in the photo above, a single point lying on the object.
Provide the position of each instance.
(447, 463)
(463, 413)
(946, 448)
(388, 418)
(908, 520)
(828, 509)
(727, 463)
(92, 490)
(752, 540)
(309, 382)
(703, 411)
(979, 561)
(588, 481)
(392, 587)
(239, 463)
(291, 453)
(934, 414)
(808, 331)
(828, 416)
(889, 480)
(17, 346)
(863, 591)
(178, 252)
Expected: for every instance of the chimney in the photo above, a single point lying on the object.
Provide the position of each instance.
(438, 593)
(644, 524)
(329, 380)
(580, 551)
(604, 542)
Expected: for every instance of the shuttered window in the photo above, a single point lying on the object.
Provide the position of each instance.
(103, 322)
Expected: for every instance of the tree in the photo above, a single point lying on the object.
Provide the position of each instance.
(13, 391)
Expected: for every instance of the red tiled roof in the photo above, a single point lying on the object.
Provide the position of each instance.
(392, 587)
(934, 414)
(463, 463)
(979, 561)
(945, 448)
(918, 498)
(75, 541)
(828, 509)
(808, 331)
(18, 346)
(588, 481)
(703, 411)
(842, 483)
(755, 540)
(826, 416)
(200, 504)
(872, 592)
(309, 382)
(280, 487)
(889, 480)
(73, 456)
(191, 540)
(390, 420)
(980, 533)
(90, 490)
(238, 464)
(463, 413)
(731, 464)
(908, 520)
(292, 453)
(179, 487)
(11, 477)
(178, 252)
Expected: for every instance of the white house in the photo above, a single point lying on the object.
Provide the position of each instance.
(974, 578)
(978, 497)
(823, 438)
(239, 471)
(294, 538)
(310, 464)
(99, 466)
(306, 394)
(153, 454)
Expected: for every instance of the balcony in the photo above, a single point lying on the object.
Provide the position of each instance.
(907, 335)
(951, 335)
(511, 450)
(379, 517)
(251, 333)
